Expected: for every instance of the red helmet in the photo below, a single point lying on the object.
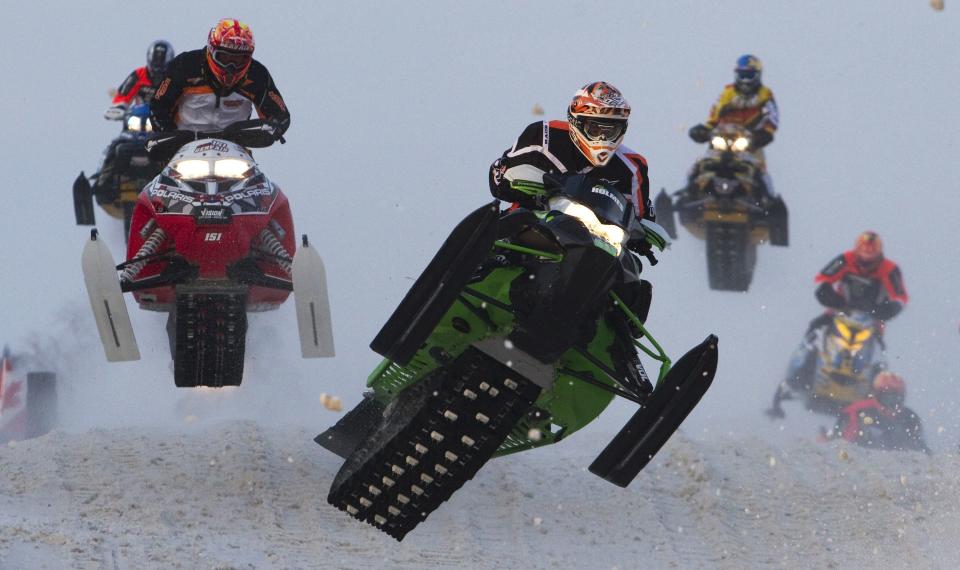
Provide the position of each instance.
(868, 250)
(229, 51)
(598, 121)
(887, 381)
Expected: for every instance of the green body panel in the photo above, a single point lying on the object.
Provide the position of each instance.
(569, 405)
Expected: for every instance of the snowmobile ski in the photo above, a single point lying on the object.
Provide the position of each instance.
(312, 303)
(83, 201)
(106, 300)
(653, 424)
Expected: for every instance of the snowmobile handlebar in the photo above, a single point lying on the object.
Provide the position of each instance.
(255, 133)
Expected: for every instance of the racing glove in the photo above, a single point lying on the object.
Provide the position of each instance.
(760, 139)
(699, 133)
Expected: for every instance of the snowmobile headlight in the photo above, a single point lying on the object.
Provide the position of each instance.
(134, 123)
(719, 143)
(192, 168)
(862, 336)
(609, 233)
(740, 144)
(230, 168)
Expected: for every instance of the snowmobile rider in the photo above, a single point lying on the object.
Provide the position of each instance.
(589, 141)
(861, 279)
(748, 103)
(142, 83)
(213, 87)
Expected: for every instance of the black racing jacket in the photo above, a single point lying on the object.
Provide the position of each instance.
(189, 97)
(547, 147)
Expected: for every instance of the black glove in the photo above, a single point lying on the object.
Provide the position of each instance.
(829, 297)
(699, 133)
(760, 139)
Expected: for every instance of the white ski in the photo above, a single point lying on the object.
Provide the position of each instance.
(313, 306)
(106, 300)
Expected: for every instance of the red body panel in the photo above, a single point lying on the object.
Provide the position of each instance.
(211, 247)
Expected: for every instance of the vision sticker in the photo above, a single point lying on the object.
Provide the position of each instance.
(212, 146)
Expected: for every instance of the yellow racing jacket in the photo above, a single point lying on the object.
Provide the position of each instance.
(755, 112)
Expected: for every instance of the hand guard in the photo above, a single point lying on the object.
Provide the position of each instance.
(114, 113)
(699, 133)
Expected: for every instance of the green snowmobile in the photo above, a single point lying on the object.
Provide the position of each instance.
(519, 332)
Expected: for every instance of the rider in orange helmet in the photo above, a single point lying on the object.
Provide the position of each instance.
(220, 84)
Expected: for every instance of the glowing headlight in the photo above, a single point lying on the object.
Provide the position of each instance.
(719, 143)
(613, 235)
(134, 123)
(230, 168)
(740, 144)
(193, 168)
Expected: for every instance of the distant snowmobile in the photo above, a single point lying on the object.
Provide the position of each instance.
(126, 168)
(847, 379)
(519, 332)
(28, 404)
(211, 239)
(726, 204)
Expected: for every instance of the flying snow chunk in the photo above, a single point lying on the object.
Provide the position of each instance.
(538, 109)
(332, 403)
(937, 5)
(537, 521)
(534, 434)
(773, 461)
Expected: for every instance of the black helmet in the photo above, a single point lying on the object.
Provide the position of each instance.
(159, 55)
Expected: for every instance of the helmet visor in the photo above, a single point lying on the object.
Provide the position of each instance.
(231, 59)
(603, 129)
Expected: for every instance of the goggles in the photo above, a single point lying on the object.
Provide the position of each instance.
(231, 59)
(748, 73)
(602, 129)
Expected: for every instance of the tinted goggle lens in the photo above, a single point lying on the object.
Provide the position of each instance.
(598, 129)
(747, 74)
(231, 59)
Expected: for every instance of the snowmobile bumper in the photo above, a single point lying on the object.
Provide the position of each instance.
(106, 300)
(83, 201)
(438, 286)
(312, 303)
(653, 424)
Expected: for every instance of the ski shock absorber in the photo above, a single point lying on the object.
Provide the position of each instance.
(149, 248)
(272, 246)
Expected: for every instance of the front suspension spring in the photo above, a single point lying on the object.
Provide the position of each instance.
(150, 247)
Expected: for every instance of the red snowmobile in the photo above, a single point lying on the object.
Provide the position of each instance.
(211, 238)
(28, 404)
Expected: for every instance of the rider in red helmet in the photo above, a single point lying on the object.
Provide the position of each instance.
(213, 87)
(863, 279)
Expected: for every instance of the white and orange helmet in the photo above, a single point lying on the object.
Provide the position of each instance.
(598, 121)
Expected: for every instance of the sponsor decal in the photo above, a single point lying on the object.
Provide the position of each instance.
(214, 146)
(213, 236)
(604, 192)
(171, 195)
(231, 103)
(163, 88)
(212, 215)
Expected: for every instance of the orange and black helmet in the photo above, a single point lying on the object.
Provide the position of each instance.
(598, 121)
(229, 51)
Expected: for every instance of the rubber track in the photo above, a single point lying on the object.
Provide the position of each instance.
(440, 449)
(211, 338)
